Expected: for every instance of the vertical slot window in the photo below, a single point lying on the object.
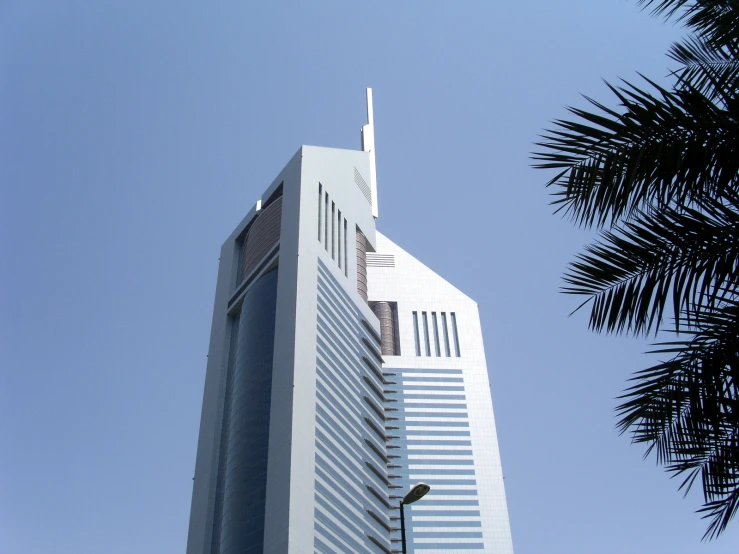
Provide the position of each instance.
(436, 334)
(346, 259)
(333, 231)
(415, 333)
(445, 329)
(325, 220)
(426, 341)
(454, 332)
(320, 198)
(338, 238)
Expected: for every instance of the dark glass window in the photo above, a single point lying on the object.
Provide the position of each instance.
(415, 333)
(425, 319)
(320, 198)
(436, 334)
(446, 334)
(242, 480)
(456, 336)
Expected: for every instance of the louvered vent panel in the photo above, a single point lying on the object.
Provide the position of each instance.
(361, 265)
(262, 236)
(363, 186)
(380, 260)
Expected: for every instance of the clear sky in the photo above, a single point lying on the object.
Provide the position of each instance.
(135, 135)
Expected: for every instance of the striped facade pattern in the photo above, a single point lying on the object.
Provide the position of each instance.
(262, 236)
(332, 229)
(363, 186)
(431, 436)
(352, 504)
(380, 260)
(433, 336)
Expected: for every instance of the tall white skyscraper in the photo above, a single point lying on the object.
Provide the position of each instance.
(341, 371)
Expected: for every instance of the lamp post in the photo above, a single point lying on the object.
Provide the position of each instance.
(416, 493)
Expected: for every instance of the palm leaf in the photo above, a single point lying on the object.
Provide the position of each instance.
(713, 72)
(687, 410)
(659, 177)
(717, 21)
(687, 257)
(665, 148)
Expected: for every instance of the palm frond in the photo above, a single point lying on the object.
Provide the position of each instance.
(686, 410)
(714, 72)
(665, 148)
(720, 512)
(687, 257)
(658, 175)
(717, 21)
(668, 8)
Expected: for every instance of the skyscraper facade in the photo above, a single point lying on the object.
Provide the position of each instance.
(341, 371)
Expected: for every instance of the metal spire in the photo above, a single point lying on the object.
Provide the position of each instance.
(368, 145)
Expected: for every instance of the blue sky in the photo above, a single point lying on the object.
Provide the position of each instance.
(135, 135)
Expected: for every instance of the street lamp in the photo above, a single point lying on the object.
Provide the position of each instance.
(416, 493)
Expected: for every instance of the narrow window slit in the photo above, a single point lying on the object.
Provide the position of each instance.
(325, 220)
(346, 260)
(338, 239)
(436, 334)
(415, 333)
(320, 198)
(446, 334)
(427, 343)
(333, 232)
(454, 332)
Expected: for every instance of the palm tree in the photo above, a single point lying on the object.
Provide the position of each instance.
(658, 178)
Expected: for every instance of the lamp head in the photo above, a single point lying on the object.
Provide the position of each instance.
(416, 493)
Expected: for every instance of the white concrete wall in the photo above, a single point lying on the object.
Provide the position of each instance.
(417, 288)
(296, 332)
(289, 525)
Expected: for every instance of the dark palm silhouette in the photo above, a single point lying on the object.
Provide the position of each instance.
(659, 179)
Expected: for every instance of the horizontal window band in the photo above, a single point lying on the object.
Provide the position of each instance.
(379, 544)
(413, 416)
(374, 370)
(421, 544)
(413, 424)
(380, 520)
(379, 497)
(431, 394)
(376, 450)
(432, 480)
(333, 531)
(431, 503)
(376, 429)
(445, 513)
(374, 388)
(453, 492)
(440, 471)
(435, 462)
(447, 523)
(446, 388)
(421, 370)
(372, 350)
(371, 330)
(434, 379)
(448, 534)
(419, 434)
(377, 472)
(375, 409)
(441, 405)
(434, 442)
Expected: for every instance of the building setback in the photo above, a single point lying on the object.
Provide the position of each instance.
(341, 371)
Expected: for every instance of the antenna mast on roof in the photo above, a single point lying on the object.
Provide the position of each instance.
(368, 145)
